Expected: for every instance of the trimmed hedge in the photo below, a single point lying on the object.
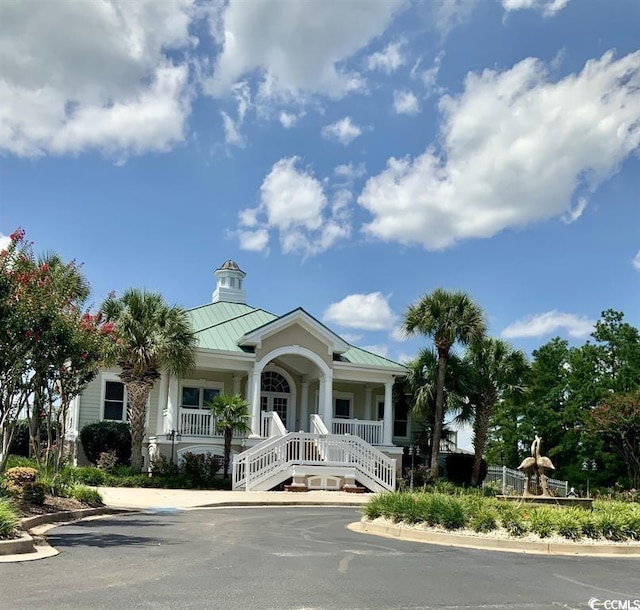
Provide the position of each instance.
(105, 436)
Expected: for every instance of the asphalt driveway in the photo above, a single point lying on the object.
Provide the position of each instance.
(293, 558)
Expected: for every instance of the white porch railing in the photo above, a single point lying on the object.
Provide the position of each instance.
(368, 430)
(512, 481)
(271, 425)
(197, 423)
(279, 454)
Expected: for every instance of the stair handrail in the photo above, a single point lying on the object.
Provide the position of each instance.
(278, 453)
(277, 427)
(317, 425)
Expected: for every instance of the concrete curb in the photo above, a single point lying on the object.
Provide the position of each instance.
(263, 503)
(28, 547)
(494, 544)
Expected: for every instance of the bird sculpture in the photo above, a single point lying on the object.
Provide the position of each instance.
(529, 466)
(543, 464)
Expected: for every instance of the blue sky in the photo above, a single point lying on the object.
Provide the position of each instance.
(351, 156)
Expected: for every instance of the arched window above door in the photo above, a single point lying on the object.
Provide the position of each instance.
(274, 382)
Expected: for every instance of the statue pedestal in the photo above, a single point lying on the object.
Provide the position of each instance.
(586, 503)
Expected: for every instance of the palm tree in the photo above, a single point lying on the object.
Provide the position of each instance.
(231, 413)
(499, 372)
(448, 317)
(151, 337)
(421, 382)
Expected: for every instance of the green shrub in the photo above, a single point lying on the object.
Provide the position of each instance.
(86, 495)
(89, 475)
(124, 471)
(34, 493)
(107, 436)
(16, 479)
(542, 521)
(454, 515)
(56, 484)
(161, 467)
(512, 519)
(568, 523)
(16, 460)
(9, 519)
(199, 469)
(484, 519)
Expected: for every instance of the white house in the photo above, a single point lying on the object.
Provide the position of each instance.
(321, 410)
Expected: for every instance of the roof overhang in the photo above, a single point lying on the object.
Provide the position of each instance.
(335, 344)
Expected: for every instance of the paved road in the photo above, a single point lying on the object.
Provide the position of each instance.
(291, 558)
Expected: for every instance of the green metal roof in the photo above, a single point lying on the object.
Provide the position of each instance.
(219, 326)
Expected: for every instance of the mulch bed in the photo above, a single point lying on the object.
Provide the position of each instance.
(52, 504)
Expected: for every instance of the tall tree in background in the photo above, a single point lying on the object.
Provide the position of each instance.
(448, 317)
(151, 337)
(498, 372)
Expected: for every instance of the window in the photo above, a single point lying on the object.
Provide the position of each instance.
(194, 397)
(274, 382)
(343, 407)
(114, 401)
(400, 417)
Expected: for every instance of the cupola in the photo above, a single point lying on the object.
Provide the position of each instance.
(229, 287)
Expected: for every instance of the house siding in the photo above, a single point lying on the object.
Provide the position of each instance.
(295, 335)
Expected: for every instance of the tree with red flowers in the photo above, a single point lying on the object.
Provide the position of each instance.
(50, 345)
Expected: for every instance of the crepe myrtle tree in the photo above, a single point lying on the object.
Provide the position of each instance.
(449, 317)
(150, 337)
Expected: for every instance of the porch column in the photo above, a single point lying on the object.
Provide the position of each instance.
(236, 383)
(367, 403)
(387, 426)
(326, 406)
(254, 400)
(163, 397)
(304, 404)
(172, 416)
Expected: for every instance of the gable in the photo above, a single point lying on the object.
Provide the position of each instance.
(295, 334)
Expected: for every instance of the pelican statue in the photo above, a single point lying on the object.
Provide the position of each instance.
(529, 466)
(543, 464)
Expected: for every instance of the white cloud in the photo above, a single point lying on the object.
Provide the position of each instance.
(365, 311)
(293, 203)
(350, 171)
(429, 76)
(547, 7)
(574, 325)
(289, 119)
(342, 131)
(397, 334)
(389, 59)
(297, 46)
(380, 349)
(405, 102)
(516, 148)
(231, 133)
(254, 241)
(5, 240)
(351, 337)
(636, 261)
(576, 211)
(93, 75)
(450, 13)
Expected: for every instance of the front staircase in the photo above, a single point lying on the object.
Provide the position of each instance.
(317, 454)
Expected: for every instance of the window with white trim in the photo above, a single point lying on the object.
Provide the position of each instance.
(115, 401)
(198, 396)
(342, 405)
(400, 417)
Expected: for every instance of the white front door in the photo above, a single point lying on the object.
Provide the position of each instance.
(271, 401)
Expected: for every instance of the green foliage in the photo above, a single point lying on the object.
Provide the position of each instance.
(17, 479)
(616, 521)
(150, 337)
(86, 495)
(9, 519)
(107, 436)
(16, 460)
(86, 475)
(200, 470)
(231, 413)
(161, 467)
(34, 493)
(55, 483)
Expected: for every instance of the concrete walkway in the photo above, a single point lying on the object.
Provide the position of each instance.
(127, 497)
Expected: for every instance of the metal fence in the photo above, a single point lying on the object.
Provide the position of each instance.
(512, 481)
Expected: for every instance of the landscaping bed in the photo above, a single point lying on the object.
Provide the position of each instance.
(474, 515)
